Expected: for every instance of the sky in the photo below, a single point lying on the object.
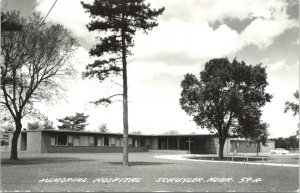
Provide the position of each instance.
(189, 34)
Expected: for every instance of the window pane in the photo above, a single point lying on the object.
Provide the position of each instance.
(76, 141)
(106, 141)
(118, 142)
(52, 140)
(142, 142)
(135, 143)
(99, 141)
(129, 141)
(91, 141)
(112, 140)
(61, 140)
(70, 140)
(84, 141)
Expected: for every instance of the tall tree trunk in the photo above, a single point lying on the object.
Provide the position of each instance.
(257, 148)
(221, 147)
(14, 141)
(125, 101)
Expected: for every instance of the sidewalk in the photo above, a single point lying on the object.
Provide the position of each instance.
(190, 158)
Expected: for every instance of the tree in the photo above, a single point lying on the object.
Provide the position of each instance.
(34, 126)
(34, 65)
(117, 21)
(292, 106)
(103, 128)
(227, 98)
(74, 123)
(136, 132)
(48, 125)
(37, 125)
(6, 121)
(281, 143)
(8, 128)
(171, 132)
(287, 143)
(293, 142)
(259, 134)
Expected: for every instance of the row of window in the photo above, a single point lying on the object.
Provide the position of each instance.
(70, 140)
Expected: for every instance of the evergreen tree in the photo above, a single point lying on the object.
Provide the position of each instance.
(117, 21)
(74, 123)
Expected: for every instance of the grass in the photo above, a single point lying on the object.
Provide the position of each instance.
(24, 175)
(38, 161)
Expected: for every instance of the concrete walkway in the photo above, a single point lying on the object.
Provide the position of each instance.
(188, 158)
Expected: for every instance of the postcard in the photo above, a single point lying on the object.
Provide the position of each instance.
(149, 96)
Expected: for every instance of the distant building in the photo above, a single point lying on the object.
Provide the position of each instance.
(58, 141)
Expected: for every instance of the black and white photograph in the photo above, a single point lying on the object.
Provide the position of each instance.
(149, 96)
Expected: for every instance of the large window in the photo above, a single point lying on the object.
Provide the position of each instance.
(99, 142)
(112, 141)
(118, 142)
(61, 139)
(142, 142)
(53, 140)
(84, 141)
(76, 141)
(129, 141)
(70, 140)
(134, 142)
(91, 141)
(106, 141)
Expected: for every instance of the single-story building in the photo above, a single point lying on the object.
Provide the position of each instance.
(62, 141)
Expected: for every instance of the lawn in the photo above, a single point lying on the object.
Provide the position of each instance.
(145, 173)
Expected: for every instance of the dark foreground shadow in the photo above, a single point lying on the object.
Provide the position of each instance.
(139, 163)
(37, 161)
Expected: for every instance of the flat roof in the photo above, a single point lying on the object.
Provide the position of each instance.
(93, 132)
(83, 132)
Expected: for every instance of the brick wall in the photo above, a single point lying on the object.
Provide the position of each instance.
(92, 149)
(242, 146)
(270, 145)
(46, 147)
(34, 140)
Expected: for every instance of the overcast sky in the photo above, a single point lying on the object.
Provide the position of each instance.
(190, 32)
